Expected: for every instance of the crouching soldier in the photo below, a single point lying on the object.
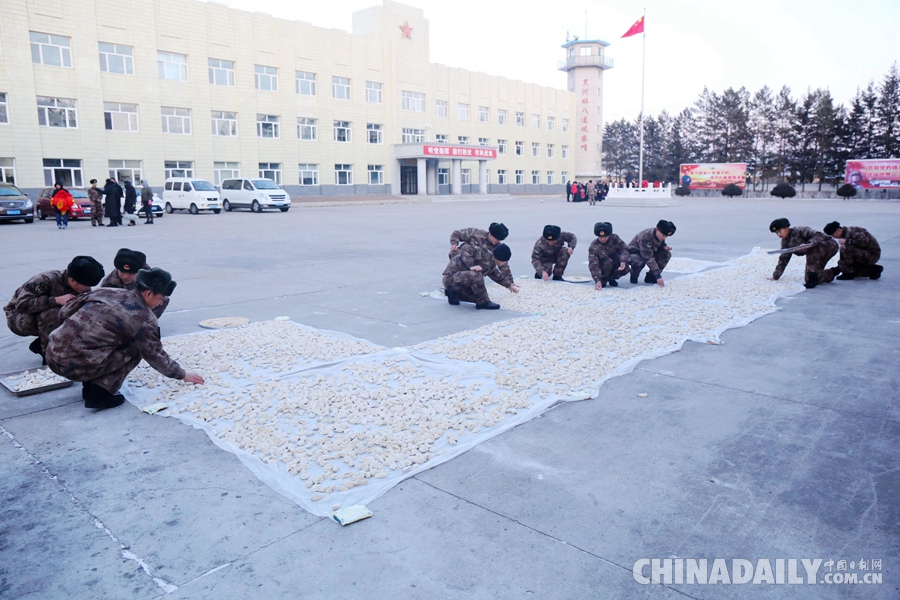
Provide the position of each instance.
(606, 257)
(816, 257)
(649, 248)
(106, 333)
(489, 239)
(127, 263)
(859, 252)
(464, 276)
(551, 253)
(34, 307)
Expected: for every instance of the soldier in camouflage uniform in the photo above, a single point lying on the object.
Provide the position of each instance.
(127, 264)
(96, 204)
(489, 239)
(607, 256)
(816, 257)
(551, 253)
(34, 308)
(106, 333)
(464, 277)
(859, 252)
(649, 248)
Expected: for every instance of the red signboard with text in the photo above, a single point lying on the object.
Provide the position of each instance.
(873, 174)
(713, 176)
(459, 151)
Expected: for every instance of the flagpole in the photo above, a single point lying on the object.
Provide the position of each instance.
(643, 80)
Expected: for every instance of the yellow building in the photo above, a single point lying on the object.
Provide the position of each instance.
(148, 89)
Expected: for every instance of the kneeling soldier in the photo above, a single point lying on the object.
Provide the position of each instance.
(607, 256)
(489, 239)
(34, 307)
(551, 253)
(105, 334)
(816, 257)
(464, 276)
(859, 252)
(649, 248)
(127, 264)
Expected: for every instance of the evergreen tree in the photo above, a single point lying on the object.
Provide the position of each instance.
(762, 125)
(887, 116)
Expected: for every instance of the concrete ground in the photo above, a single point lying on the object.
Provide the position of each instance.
(779, 444)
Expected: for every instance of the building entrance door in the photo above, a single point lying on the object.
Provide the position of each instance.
(409, 180)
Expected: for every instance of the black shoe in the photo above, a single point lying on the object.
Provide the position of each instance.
(452, 298)
(634, 279)
(876, 271)
(812, 280)
(98, 398)
(845, 277)
(113, 225)
(488, 306)
(35, 346)
(557, 278)
(538, 276)
(648, 278)
(612, 283)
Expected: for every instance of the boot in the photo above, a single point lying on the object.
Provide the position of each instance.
(488, 306)
(130, 223)
(876, 271)
(612, 283)
(812, 280)
(649, 278)
(845, 277)
(538, 276)
(634, 278)
(452, 298)
(35, 346)
(557, 278)
(98, 398)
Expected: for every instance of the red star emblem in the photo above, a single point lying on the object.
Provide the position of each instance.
(407, 30)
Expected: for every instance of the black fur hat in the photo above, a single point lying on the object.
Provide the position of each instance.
(779, 224)
(832, 227)
(85, 270)
(502, 252)
(552, 232)
(666, 227)
(499, 231)
(130, 261)
(156, 280)
(602, 228)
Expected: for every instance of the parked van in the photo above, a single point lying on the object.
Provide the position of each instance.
(255, 194)
(188, 193)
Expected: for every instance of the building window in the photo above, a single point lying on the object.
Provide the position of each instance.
(120, 117)
(116, 59)
(584, 51)
(443, 176)
(520, 177)
(550, 150)
(53, 50)
(125, 170)
(376, 174)
(549, 177)
(440, 109)
(536, 177)
(8, 170)
(484, 114)
(172, 66)
(565, 125)
(413, 136)
(535, 149)
(465, 176)
(307, 129)
(501, 116)
(373, 92)
(520, 119)
(306, 83)
(266, 78)
(463, 140)
(535, 121)
(520, 148)
(4, 109)
(564, 176)
(565, 151)
(342, 131)
(267, 126)
(65, 170)
(271, 171)
(340, 88)
(226, 170)
(309, 174)
(224, 123)
(462, 111)
(179, 168)
(221, 72)
(440, 138)
(375, 133)
(343, 174)
(501, 146)
(483, 141)
(414, 101)
(501, 176)
(56, 112)
(551, 123)
(176, 120)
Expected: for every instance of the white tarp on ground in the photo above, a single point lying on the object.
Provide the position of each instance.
(327, 419)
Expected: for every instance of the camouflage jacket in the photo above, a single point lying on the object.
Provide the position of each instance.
(97, 324)
(647, 245)
(476, 237)
(471, 256)
(859, 238)
(543, 252)
(797, 237)
(39, 293)
(614, 249)
(114, 281)
(94, 196)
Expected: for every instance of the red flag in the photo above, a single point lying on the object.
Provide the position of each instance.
(637, 28)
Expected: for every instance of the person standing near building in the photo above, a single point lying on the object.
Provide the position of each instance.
(568, 191)
(62, 201)
(824, 247)
(551, 253)
(95, 196)
(607, 257)
(604, 190)
(146, 202)
(859, 252)
(113, 201)
(130, 203)
(591, 190)
(649, 248)
(629, 178)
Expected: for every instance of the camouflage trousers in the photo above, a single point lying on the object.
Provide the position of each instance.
(555, 265)
(610, 270)
(857, 262)
(816, 259)
(39, 324)
(96, 213)
(468, 285)
(110, 375)
(636, 262)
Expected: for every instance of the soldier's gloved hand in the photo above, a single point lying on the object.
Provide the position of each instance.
(476, 268)
(660, 282)
(513, 288)
(193, 378)
(571, 250)
(63, 299)
(545, 276)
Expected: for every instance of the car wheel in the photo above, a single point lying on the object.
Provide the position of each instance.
(216, 211)
(194, 210)
(255, 207)
(226, 205)
(169, 208)
(285, 209)
(41, 215)
(29, 220)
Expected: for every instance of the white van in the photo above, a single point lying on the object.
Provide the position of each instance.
(188, 193)
(255, 194)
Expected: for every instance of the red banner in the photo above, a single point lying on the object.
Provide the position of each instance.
(713, 176)
(459, 151)
(873, 174)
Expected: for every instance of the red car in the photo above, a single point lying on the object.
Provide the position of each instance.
(82, 207)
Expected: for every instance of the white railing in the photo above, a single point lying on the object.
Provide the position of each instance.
(647, 192)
